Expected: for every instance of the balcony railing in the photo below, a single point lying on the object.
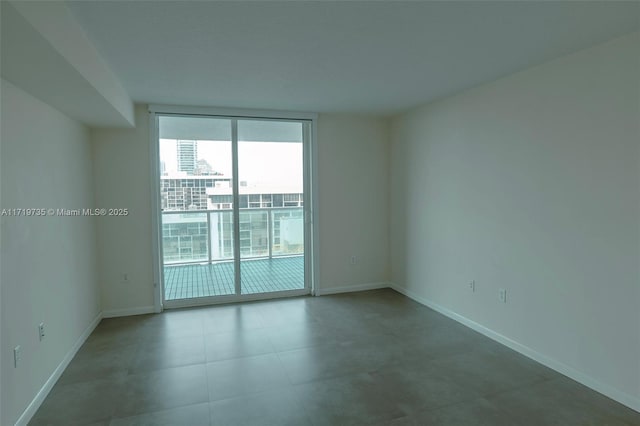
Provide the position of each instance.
(200, 236)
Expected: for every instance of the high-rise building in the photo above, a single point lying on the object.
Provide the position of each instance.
(187, 156)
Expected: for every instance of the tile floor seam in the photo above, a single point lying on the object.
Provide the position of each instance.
(207, 379)
(518, 387)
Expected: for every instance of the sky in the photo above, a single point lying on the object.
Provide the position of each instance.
(258, 162)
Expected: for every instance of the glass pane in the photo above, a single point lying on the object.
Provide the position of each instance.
(270, 173)
(196, 193)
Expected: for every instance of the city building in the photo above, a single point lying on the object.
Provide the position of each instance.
(187, 156)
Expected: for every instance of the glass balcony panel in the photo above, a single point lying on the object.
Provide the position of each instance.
(184, 237)
(288, 231)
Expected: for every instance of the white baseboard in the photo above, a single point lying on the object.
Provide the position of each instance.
(615, 394)
(51, 381)
(126, 312)
(351, 288)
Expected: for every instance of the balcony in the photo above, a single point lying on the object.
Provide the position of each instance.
(198, 251)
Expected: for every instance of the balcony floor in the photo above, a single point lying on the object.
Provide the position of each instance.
(258, 276)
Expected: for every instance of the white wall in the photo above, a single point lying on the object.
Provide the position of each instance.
(531, 183)
(48, 263)
(353, 180)
(123, 180)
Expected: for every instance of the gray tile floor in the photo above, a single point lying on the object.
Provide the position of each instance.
(369, 358)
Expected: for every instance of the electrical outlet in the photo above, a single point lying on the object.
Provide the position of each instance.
(472, 285)
(41, 331)
(17, 356)
(502, 295)
(353, 260)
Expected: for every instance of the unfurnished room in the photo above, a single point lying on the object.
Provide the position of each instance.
(317, 213)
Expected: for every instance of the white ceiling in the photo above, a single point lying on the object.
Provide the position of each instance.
(368, 57)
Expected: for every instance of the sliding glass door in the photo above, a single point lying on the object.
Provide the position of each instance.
(271, 201)
(232, 221)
